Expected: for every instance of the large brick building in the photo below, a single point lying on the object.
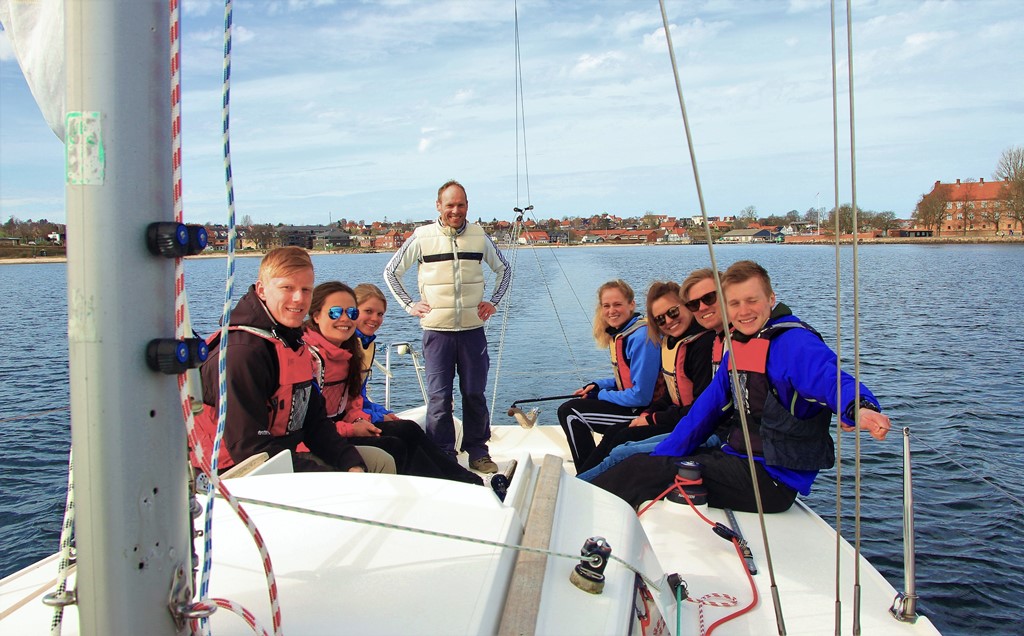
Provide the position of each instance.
(975, 207)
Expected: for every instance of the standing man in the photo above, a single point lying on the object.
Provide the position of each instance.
(449, 254)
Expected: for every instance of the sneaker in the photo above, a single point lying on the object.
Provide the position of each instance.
(484, 464)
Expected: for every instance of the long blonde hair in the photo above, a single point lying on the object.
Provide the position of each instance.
(365, 291)
(601, 337)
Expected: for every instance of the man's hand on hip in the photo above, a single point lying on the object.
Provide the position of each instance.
(420, 309)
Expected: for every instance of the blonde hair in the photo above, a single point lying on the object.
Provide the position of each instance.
(742, 271)
(695, 277)
(282, 262)
(366, 291)
(601, 336)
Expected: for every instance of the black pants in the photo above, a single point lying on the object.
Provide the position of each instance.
(620, 434)
(582, 417)
(726, 477)
(423, 457)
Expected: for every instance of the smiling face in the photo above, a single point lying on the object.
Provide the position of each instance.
(371, 315)
(708, 316)
(673, 326)
(452, 206)
(749, 305)
(615, 309)
(287, 297)
(340, 329)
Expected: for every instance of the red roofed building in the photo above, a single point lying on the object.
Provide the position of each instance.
(975, 207)
(531, 237)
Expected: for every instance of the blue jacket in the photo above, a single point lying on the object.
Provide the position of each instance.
(374, 410)
(801, 369)
(644, 369)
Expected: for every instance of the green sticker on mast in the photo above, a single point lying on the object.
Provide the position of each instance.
(84, 156)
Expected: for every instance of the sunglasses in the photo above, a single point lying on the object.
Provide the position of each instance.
(671, 314)
(335, 312)
(708, 299)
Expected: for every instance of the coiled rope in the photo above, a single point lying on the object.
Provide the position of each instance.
(712, 599)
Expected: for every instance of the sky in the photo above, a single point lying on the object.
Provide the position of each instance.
(360, 110)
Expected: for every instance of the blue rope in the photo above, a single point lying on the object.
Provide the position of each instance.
(222, 385)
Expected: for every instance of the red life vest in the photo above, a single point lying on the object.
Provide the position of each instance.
(330, 365)
(678, 386)
(286, 408)
(620, 363)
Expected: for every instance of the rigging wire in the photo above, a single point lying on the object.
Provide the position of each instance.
(516, 234)
(839, 327)
(521, 117)
(780, 622)
(856, 327)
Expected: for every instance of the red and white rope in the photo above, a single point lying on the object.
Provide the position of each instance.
(233, 607)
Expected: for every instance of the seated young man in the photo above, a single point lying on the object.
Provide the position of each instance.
(273, 404)
(788, 375)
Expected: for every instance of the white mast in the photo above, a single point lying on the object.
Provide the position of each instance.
(132, 527)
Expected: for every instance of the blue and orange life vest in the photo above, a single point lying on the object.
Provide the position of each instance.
(775, 432)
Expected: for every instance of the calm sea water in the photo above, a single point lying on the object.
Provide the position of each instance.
(941, 346)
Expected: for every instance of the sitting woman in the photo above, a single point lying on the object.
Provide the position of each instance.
(601, 404)
(686, 349)
(698, 295)
(338, 368)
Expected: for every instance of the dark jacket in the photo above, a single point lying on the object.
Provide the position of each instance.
(252, 379)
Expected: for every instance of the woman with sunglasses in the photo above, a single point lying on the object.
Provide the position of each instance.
(604, 403)
(331, 334)
(697, 296)
(685, 370)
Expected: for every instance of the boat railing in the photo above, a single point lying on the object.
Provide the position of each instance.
(904, 606)
(402, 348)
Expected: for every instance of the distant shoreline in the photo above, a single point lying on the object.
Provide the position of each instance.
(970, 240)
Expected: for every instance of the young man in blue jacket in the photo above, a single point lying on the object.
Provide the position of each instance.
(788, 392)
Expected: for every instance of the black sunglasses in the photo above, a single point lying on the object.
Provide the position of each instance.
(708, 299)
(335, 312)
(671, 314)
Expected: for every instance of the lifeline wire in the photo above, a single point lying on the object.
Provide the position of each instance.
(445, 535)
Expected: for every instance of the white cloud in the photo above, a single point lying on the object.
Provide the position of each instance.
(588, 64)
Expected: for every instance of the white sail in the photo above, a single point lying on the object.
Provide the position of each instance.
(35, 30)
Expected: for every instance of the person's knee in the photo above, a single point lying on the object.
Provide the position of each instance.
(377, 460)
